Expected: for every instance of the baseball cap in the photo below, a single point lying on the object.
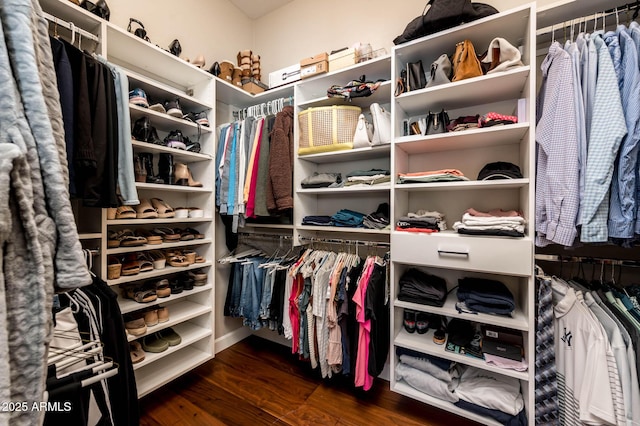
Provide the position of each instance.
(500, 170)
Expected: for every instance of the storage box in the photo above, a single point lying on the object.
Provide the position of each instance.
(314, 65)
(325, 129)
(342, 59)
(502, 342)
(284, 76)
(501, 349)
(253, 86)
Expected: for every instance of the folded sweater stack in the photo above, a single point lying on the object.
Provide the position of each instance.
(484, 295)
(422, 221)
(444, 175)
(497, 222)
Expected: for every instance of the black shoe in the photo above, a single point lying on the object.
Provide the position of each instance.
(175, 140)
(193, 147)
(165, 168)
(141, 129)
(175, 286)
(147, 161)
(409, 321)
(173, 108)
(186, 281)
(215, 69)
(422, 322)
(198, 117)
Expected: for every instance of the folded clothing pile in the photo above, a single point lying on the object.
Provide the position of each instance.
(485, 296)
(494, 119)
(348, 218)
(434, 376)
(444, 175)
(368, 177)
(496, 222)
(317, 220)
(378, 219)
(322, 180)
(463, 123)
(422, 221)
(420, 287)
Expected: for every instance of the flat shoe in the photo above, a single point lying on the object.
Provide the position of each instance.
(136, 352)
(136, 327)
(163, 314)
(151, 317)
(152, 343)
(169, 336)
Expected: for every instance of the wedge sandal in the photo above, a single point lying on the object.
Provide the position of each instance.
(141, 295)
(125, 212)
(146, 263)
(168, 235)
(164, 210)
(200, 259)
(197, 234)
(129, 239)
(114, 268)
(151, 238)
(113, 240)
(158, 258)
(162, 288)
(131, 267)
(145, 210)
(177, 260)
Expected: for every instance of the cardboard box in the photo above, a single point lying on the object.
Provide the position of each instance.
(314, 65)
(253, 86)
(284, 76)
(342, 59)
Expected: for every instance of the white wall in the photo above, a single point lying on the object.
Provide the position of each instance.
(215, 28)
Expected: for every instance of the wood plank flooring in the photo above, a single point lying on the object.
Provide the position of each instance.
(258, 382)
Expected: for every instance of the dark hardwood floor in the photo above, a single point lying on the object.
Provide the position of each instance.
(258, 382)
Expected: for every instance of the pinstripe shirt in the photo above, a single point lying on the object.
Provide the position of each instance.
(623, 187)
(634, 29)
(608, 127)
(557, 197)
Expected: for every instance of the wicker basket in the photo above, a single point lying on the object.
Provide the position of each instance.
(327, 129)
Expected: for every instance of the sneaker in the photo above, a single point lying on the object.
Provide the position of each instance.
(173, 108)
(158, 108)
(138, 97)
(175, 140)
(409, 321)
(198, 117)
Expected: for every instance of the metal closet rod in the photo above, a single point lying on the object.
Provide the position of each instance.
(590, 17)
(264, 235)
(583, 259)
(380, 244)
(265, 108)
(70, 26)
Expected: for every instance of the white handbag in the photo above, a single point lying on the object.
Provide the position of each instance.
(362, 136)
(381, 125)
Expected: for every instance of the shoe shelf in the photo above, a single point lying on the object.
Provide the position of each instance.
(381, 96)
(158, 221)
(189, 333)
(147, 247)
(179, 155)
(346, 190)
(517, 321)
(128, 305)
(424, 343)
(165, 122)
(157, 273)
(178, 313)
(167, 368)
(404, 389)
(356, 154)
(169, 188)
(471, 185)
(473, 91)
(159, 92)
(510, 134)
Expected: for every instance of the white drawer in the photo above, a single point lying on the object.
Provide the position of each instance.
(472, 253)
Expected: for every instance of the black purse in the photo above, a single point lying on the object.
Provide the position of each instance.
(99, 8)
(416, 78)
(437, 122)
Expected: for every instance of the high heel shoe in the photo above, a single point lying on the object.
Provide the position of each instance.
(183, 176)
(199, 61)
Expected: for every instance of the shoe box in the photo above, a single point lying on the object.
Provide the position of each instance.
(342, 59)
(284, 75)
(253, 86)
(502, 342)
(317, 64)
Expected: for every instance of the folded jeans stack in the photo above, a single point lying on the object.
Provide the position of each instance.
(317, 220)
(444, 175)
(502, 225)
(485, 296)
(420, 287)
(348, 218)
(368, 177)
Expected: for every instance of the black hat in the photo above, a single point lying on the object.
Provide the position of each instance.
(500, 170)
(460, 332)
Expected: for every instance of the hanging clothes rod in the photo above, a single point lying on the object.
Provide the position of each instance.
(379, 244)
(263, 109)
(70, 26)
(590, 260)
(264, 235)
(593, 17)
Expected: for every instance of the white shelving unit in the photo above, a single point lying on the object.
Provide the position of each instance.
(509, 260)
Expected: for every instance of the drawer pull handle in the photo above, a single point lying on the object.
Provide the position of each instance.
(452, 253)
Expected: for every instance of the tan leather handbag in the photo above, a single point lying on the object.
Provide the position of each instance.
(465, 62)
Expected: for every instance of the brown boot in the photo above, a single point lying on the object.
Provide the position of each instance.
(139, 169)
(237, 77)
(183, 176)
(226, 70)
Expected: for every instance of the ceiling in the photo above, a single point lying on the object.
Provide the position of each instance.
(255, 9)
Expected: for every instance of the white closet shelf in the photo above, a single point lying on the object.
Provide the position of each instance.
(179, 155)
(130, 51)
(346, 190)
(158, 221)
(90, 235)
(189, 333)
(368, 153)
(128, 305)
(518, 320)
(156, 273)
(230, 94)
(471, 185)
(69, 12)
(147, 247)
(470, 92)
(169, 367)
(511, 134)
(424, 343)
(404, 389)
(178, 312)
(381, 96)
(165, 122)
(343, 229)
(173, 188)
(159, 92)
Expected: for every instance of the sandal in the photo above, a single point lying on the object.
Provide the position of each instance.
(164, 210)
(177, 260)
(190, 255)
(135, 326)
(145, 261)
(162, 288)
(200, 259)
(114, 239)
(136, 352)
(131, 266)
(125, 212)
(151, 238)
(197, 234)
(129, 239)
(141, 294)
(145, 210)
(168, 235)
(159, 260)
(175, 286)
(185, 235)
(114, 268)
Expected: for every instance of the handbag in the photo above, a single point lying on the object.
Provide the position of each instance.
(501, 56)
(99, 8)
(442, 15)
(440, 71)
(361, 138)
(381, 124)
(416, 79)
(465, 62)
(437, 122)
